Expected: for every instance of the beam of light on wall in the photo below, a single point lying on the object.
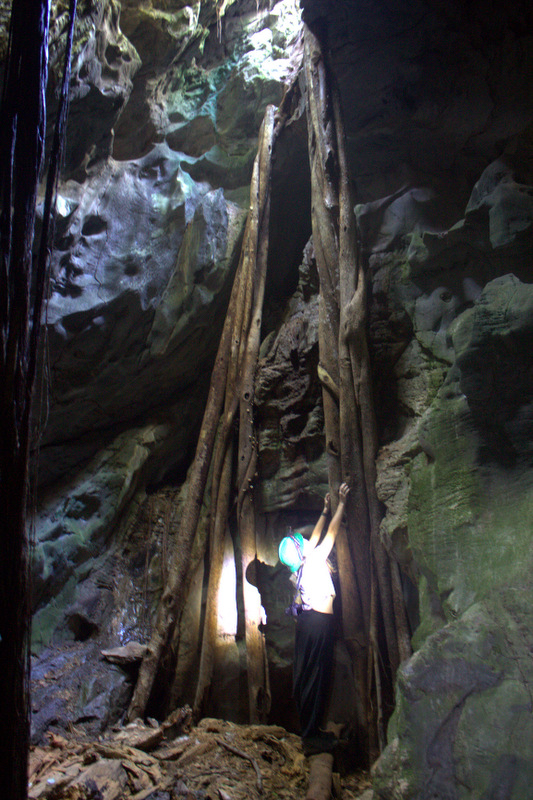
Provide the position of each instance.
(227, 595)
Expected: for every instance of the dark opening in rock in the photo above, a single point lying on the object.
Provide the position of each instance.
(81, 627)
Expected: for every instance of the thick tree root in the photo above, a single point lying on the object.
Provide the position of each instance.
(231, 390)
(371, 600)
(320, 777)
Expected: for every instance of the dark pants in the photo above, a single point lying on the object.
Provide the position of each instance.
(313, 662)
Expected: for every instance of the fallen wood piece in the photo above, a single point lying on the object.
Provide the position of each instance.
(223, 795)
(69, 766)
(320, 770)
(140, 736)
(59, 750)
(138, 778)
(153, 771)
(146, 737)
(129, 654)
(52, 781)
(109, 777)
(112, 751)
(194, 752)
(171, 753)
(242, 754)
(44, 763)
(105, 777)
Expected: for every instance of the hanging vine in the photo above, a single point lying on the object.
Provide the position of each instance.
(231, 391)
(373, 618)
(370, 582)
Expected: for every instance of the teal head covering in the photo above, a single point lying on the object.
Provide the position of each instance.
(291, 551)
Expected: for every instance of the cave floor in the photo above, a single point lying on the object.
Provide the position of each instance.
(215, 760)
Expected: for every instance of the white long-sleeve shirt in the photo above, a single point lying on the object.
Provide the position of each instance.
(316, 585)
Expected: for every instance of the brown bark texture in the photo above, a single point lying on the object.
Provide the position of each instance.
(231, 390)
(173, 593)
(370, 583)
(320, 777)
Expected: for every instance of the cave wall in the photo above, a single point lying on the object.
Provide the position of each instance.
(438, 111)
(165, 109)
(150, 221)
(445, 218)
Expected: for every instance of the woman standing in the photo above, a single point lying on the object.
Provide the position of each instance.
(313, 607)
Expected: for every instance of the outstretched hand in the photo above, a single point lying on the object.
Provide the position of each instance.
(344, 491)
(327, 503)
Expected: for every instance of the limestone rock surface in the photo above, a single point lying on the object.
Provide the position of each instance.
(463, 730)
(147, 240)
(438, 111)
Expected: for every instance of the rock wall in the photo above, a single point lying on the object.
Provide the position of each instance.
(165, 109)
(148, 236)
(450, 327)
(438, 112)
(451, 330)
(457, 486)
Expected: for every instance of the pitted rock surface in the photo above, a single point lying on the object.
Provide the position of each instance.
(438, 113)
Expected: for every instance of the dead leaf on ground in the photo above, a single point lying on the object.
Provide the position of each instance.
(217, 758)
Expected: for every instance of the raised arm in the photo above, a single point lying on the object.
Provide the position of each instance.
(335, 524)
(319, 527)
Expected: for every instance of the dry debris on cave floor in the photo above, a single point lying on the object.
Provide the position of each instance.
(216, 760)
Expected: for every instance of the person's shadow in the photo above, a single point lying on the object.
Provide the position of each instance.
(275, 590)
(277, 627)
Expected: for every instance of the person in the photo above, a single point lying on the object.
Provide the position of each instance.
(313, 607)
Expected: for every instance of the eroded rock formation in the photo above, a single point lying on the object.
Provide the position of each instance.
(165, 110)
